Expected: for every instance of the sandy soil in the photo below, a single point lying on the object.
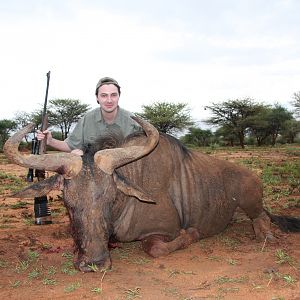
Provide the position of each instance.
(35, 261)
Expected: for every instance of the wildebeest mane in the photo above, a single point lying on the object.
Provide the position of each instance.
(114, 140)
(175, 142)
(107, 141)
(172, 140)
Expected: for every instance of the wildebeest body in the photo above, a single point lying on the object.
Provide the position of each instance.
(151, 189)
(197, 191)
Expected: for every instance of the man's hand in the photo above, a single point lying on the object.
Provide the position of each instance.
(78, 152)
(45, 134)
(54, 143)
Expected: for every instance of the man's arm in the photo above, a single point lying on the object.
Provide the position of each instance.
(54, 143)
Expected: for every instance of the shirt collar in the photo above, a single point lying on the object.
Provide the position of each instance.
(99, 117)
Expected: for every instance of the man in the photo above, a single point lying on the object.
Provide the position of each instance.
(99, 121)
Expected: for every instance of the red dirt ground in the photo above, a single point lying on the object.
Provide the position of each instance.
(35, 261)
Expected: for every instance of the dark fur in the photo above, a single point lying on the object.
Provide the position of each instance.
(285, 223)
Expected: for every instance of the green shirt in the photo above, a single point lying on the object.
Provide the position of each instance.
(92, 126)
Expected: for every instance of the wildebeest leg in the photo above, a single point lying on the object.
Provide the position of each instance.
(262, 227)
(260, 221)
(159, 245)
(252, 204)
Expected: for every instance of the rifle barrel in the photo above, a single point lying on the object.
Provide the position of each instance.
(45, 102)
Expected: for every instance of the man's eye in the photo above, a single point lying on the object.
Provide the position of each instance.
(114, 95)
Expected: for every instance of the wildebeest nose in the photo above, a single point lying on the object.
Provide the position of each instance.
(94, 265)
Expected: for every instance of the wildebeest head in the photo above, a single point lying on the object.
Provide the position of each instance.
(90, 185)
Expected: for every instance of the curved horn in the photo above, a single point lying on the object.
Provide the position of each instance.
(66, 164)
(109, 159)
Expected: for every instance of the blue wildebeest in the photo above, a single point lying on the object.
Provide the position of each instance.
(148, 187)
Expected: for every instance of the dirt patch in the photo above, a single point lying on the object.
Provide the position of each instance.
(36, 261)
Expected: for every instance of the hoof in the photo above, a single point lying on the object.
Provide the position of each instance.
(194, 234)
(268, 238)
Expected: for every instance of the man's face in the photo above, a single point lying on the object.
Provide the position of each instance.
(108, 97)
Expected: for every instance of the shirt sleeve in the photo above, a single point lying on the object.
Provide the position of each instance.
(75, 138)
(129, 125)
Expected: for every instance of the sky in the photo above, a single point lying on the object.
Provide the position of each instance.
(197, 52)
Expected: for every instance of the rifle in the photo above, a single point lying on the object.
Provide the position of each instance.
(41, 209)
(30, 176)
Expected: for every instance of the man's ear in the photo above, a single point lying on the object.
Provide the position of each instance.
(98, 101)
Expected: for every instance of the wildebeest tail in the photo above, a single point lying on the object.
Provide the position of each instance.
(285, 223)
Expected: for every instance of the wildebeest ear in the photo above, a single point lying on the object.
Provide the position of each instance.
(131, 189)
(41, 188)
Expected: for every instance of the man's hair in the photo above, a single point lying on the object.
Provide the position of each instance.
(107, 80)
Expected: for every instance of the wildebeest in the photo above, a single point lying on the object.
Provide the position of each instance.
(149, 188)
